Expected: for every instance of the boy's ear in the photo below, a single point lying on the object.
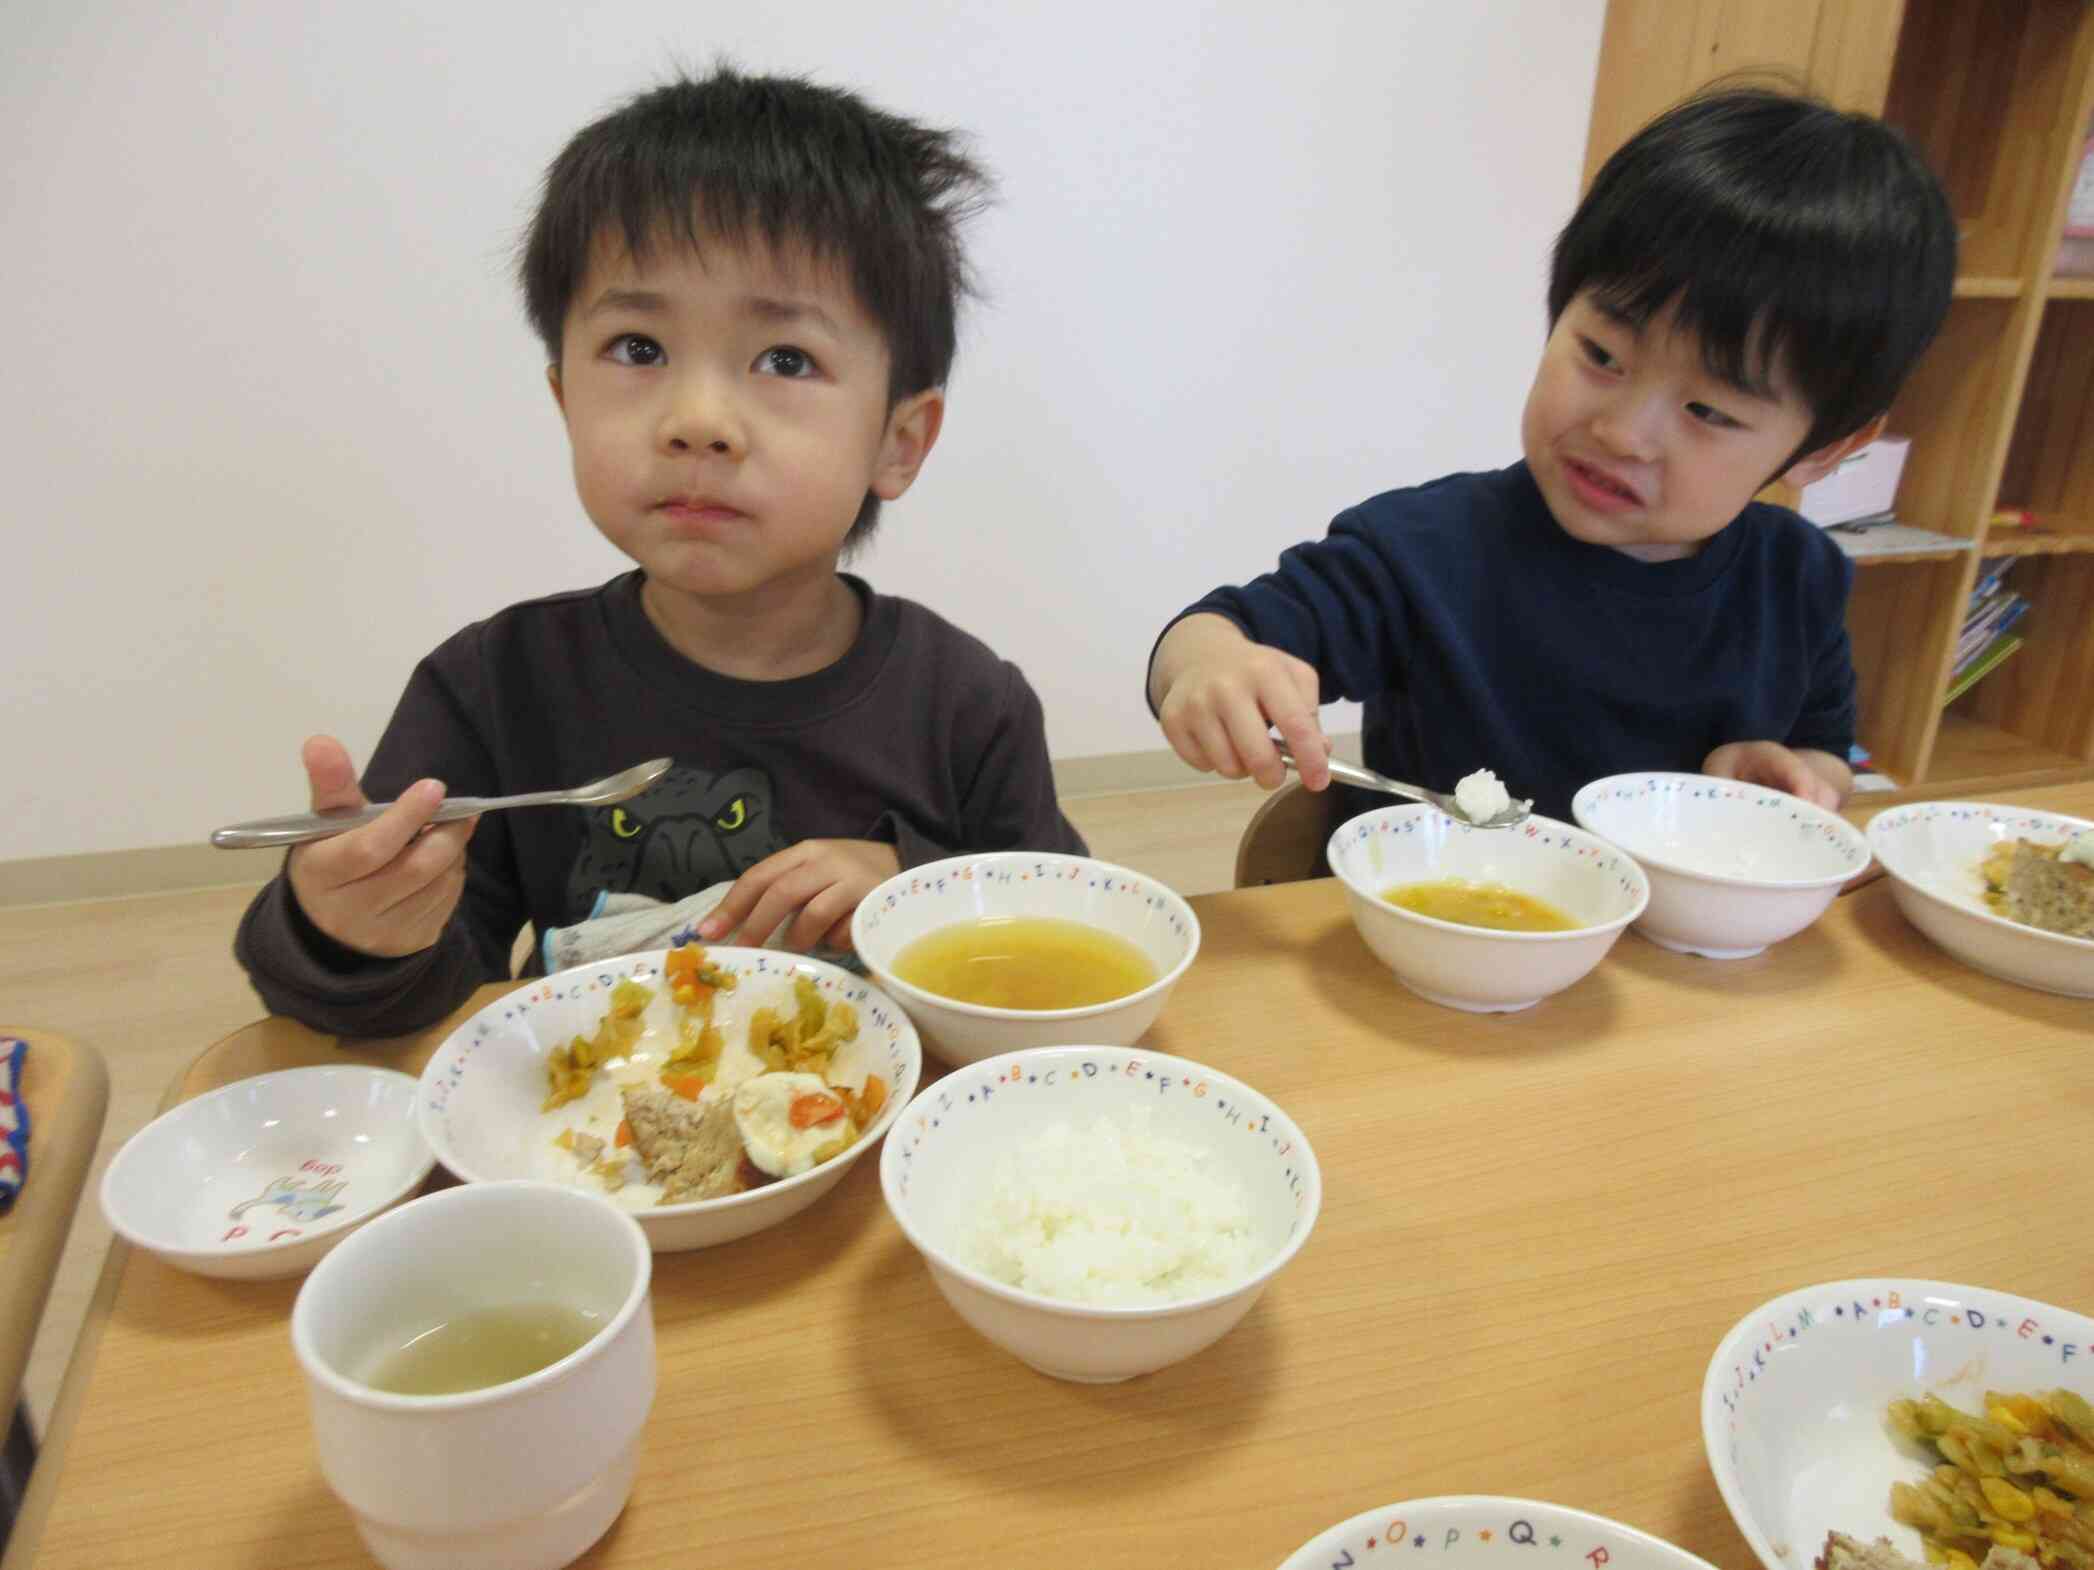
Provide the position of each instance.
(912, 430)
(1812, 467)
(552, 380)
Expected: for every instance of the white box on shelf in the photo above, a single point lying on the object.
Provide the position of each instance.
(1865, 483)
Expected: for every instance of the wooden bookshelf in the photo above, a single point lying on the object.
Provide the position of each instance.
(2057, 538)
(2001, 409)
(1977, 288)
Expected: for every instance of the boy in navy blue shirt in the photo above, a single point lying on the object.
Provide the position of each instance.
(1737, 300)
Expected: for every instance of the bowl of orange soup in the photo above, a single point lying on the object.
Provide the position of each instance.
(1014, 949)
(1484, 919)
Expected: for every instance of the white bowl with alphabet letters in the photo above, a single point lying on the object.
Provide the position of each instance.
(1202, 1181)
(1793, 1404)
(1486, 1532)
(1484, 969)
(257, 1179)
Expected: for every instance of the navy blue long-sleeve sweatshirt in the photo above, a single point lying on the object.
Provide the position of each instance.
(1477, 634)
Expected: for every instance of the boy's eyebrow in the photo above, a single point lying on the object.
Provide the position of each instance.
(1757, 388)
(1618, 316)
(776, 310)
(628, 300)
(760, 307)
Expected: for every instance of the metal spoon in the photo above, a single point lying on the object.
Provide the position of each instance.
(303, 826)
(1514, 815)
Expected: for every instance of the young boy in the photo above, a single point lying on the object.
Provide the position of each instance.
(747, 290)
(1736, 300)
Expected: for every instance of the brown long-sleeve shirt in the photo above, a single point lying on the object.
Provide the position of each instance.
(920, 736)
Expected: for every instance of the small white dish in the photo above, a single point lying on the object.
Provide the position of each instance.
(481, 1100)
(1113, 899)
(1479, 1531)
(1793, 1404)
(257, 1179)
(1733, 867)
(1932, 851)
(936, 1169)
(1479, 968)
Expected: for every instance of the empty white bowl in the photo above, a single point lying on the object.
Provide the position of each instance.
(1932, 851)
(1479, 968)
(1793, 1405)
(1098, 894)
(1733, 867)
(482, 1094)
(937, 1169)
(1479, 1531)
(259, 1178)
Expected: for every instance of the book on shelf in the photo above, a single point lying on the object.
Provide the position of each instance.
(1987, 637)
(1996, 654)
(1991, 569)
(1996, 617)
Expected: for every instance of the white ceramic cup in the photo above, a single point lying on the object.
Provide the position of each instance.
(498, 1478)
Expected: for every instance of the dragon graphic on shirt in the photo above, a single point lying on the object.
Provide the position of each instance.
(688, 830)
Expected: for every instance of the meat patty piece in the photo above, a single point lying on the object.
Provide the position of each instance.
(2043, 891)
(1842, 1552)
(691, 1148)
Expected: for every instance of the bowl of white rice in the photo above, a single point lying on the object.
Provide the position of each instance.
(1099, 1212)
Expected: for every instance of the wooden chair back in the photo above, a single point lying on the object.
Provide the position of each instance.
(1285, 839)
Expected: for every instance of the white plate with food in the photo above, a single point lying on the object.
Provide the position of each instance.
(713, 1092)
(1824, 1411)
(1480, 1532)
(2001, 888)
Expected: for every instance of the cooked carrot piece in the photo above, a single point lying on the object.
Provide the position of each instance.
(813, 1110)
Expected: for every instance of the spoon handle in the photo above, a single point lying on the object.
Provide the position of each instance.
(1352, 774)
(300, 827)
(1367, 779)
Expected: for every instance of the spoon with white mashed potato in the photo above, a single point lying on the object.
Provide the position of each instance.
(1479, 800)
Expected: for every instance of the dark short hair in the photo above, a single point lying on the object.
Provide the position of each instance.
(1784, 232)
(781, 160)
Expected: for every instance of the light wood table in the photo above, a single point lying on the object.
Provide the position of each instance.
(1535, 1229)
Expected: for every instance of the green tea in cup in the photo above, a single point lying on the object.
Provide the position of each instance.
(479, 1348)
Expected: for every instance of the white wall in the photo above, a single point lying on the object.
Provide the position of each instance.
(273, 424)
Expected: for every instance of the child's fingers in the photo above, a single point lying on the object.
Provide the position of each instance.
(1250, 736)
(762, 897)
(1193, 734)
(429, 859)
(1781, 768)
(827, 910)
(418, 920)
(742, 895)
(401, 906)
(787, 895)
(1300, 729)
(1819, 790)
(329, 775)
(368, 851)
(1301, 725)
